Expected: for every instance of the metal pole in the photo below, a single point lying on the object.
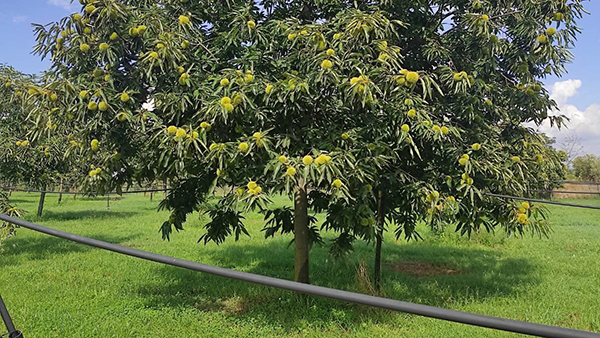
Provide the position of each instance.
(61, 191)
(10, 327)
(41, 203)
(352, 297)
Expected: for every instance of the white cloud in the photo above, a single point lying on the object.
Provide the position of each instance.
(66, 4)
(19, 18)
(585, 124)
(563, 90)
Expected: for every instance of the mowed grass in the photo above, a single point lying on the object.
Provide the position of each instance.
(55, 288)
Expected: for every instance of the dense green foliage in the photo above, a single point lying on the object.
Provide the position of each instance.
(587, 168)
(7, 229)
(36, 162)
(419, 103)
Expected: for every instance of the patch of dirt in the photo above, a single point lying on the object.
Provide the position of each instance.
(421, 269)
(233, 306)
(230, 306)
(570, 319)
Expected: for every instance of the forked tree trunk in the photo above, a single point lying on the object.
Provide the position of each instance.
(379, 237)
(301, 240)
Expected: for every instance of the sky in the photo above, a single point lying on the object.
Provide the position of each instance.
(575, 93)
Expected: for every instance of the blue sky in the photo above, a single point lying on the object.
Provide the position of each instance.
(586, 66)
(16, 17)
(576, 92)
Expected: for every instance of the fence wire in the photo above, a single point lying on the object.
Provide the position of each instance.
(487, 194)
(543, 201)
(84, 193)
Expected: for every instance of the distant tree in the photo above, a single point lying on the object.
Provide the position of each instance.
(34, 161)
(572, 147)
(587, 168)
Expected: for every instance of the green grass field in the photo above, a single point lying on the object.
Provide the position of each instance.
(55, 288)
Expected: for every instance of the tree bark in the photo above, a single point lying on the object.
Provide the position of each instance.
(301, 240)
(379, 237)
(41, 204)
(60, 189)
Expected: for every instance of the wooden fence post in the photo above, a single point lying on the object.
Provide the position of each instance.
(60, 189)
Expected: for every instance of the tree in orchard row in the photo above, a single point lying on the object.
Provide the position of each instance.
(6, 119)
(332, 102)
(38, 163)
(500, 97)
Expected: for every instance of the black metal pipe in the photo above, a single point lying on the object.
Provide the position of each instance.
(75, 193)
(384, 303)
(570, 182)
(10, 327)
(543, 201)
(579, 182)
(40, 191)
(140, 191)
(569, 192)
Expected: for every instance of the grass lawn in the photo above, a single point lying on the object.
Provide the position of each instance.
(55, 288)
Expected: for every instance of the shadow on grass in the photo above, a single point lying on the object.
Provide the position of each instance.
(483, 274)
(45, 247)
(83, 214)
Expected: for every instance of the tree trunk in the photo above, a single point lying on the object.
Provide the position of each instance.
(301, 245)
(107, 201)
(165, 187)
(41, 204)
(60, 189)
(379, 237)
(75, 194)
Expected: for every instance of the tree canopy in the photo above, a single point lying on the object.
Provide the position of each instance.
(340, 104)
(587, 167)
(36, 162)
